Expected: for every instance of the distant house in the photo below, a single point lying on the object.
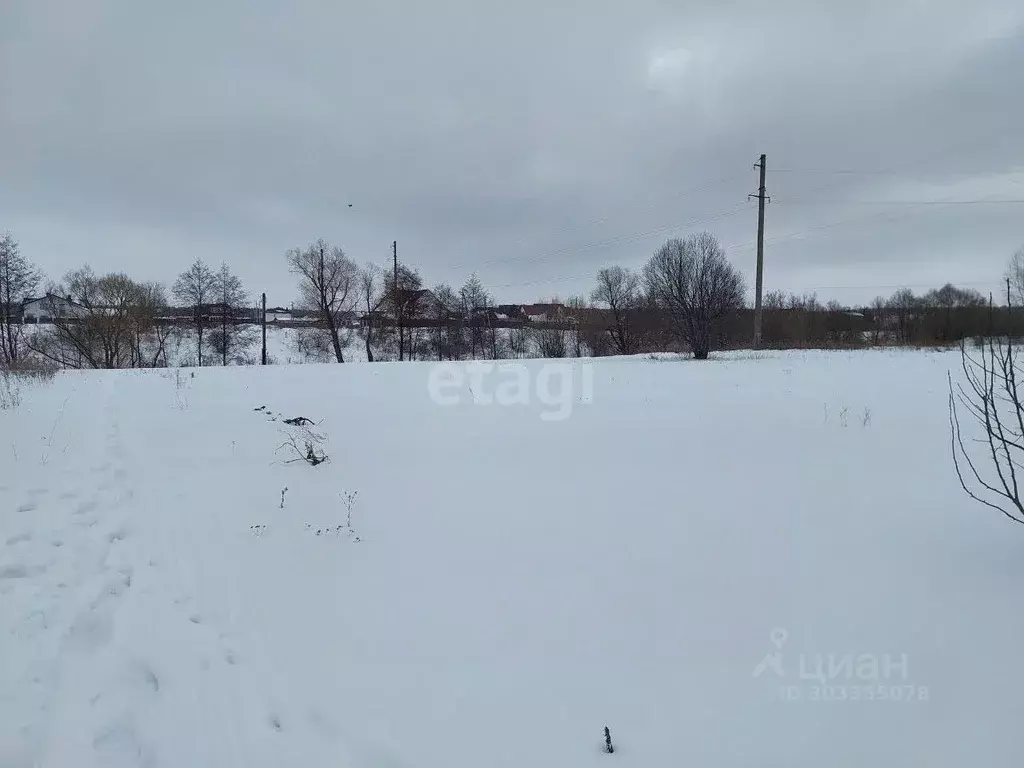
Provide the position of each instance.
(346, 318)
(510, 313)
(279, 315)
(48, 308)
(544, 313)
(418, 303)
(214, 311)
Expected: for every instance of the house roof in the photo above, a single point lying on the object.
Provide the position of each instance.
(65, 299)
(542, 309)
(407, 295)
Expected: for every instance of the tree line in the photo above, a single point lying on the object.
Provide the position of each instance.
(687, 297)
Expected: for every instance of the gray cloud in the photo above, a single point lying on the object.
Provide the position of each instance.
(533, 142)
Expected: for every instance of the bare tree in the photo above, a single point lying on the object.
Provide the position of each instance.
(232, 338)
(774, 300)
(402, 298)
(329, 284)
(619, 290)
(444, 309)
(475, 302)
(691, 280)
(879, 318)
(18, 279)
(904, 305)
(371, 296)
(518, 341)
(944, 302)
(196, 288)
(577, 309)
(991, 398)
(103, 327)
(950, 297)
(149, 333)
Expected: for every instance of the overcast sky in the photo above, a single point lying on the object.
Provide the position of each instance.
(531, 141)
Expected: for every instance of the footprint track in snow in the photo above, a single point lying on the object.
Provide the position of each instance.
(129, 686)
(93, 627)
(120, 745)
(91, 630)
(18, 538)
(21, 571)
(34, 623)
(86, 507)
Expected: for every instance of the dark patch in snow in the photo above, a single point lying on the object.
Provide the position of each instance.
(85, 506)
(90, 631)
(19, 571)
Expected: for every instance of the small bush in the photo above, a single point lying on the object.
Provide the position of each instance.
(14, 380)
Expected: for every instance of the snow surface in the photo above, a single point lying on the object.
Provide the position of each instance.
(518, 583)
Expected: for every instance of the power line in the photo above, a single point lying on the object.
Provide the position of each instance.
(607, 243)
(644, 207)
(981, 201)
(883, 172)
(905, 168)
(856, 219)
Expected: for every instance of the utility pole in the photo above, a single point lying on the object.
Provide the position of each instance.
(398, 306)
(263, 322)
(762, 197)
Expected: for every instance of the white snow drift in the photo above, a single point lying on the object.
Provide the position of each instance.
(761, 561)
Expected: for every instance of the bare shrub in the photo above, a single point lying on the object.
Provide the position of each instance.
(553, 342)
(306, 445)
(28, 372)
(618, 289)
(987, 466)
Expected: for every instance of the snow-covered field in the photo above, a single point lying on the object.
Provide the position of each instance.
(510, 584)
